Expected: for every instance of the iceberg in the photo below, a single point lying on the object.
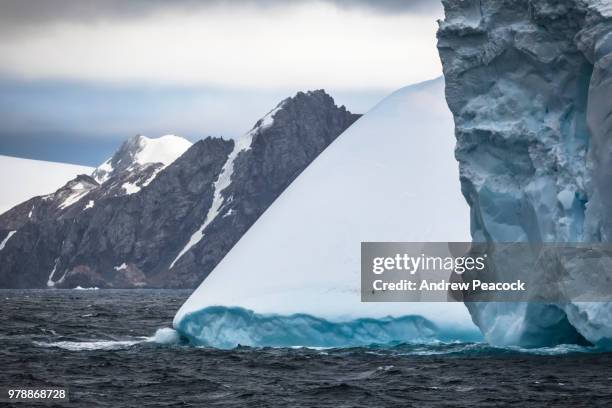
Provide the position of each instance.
(294, 278)
(529, 85)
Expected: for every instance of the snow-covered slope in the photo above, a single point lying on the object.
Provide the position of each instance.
(390, 177)
(24, 178)
(165, 149)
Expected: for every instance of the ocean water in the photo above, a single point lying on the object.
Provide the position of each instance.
(107, 349)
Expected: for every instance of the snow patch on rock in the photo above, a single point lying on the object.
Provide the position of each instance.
(225, 178)
(50, 282)
(130, 188)
(6, 239)
(79, 190)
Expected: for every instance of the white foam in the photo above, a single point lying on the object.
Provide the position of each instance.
(91, 345)
(165, 335)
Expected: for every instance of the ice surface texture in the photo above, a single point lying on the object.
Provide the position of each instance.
(529, 85)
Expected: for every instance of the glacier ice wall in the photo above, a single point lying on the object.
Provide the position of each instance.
(529, 85)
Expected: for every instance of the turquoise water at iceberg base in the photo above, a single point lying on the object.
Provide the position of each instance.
(230, 327)
(115, 348)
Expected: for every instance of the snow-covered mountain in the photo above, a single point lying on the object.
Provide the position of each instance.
(30, 178)
(390, 177)
(133, 166)
(141, 151)
(162, 212)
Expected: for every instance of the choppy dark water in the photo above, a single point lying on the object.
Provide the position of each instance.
(95, 343)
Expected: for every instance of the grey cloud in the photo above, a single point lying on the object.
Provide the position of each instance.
(391, 6)
(17, 16)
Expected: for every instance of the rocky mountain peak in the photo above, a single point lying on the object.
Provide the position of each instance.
(154, 219)
(139, 151)
(311, 100)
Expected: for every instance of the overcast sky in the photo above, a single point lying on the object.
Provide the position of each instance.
(82, 75)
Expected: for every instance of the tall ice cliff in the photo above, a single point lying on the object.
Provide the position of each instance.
(529, 84)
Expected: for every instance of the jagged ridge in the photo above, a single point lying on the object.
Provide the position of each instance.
(133, 221)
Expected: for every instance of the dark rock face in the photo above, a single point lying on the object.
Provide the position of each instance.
(95, 231)
(302, 128)
(89, 246)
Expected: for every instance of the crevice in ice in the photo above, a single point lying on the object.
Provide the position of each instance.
(548, 325)
(528, 324)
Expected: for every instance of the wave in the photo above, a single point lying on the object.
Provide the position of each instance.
(477, 349)
(90, 345)
(167, 337)
(434, 348)
(163, 336)
(229, 327)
